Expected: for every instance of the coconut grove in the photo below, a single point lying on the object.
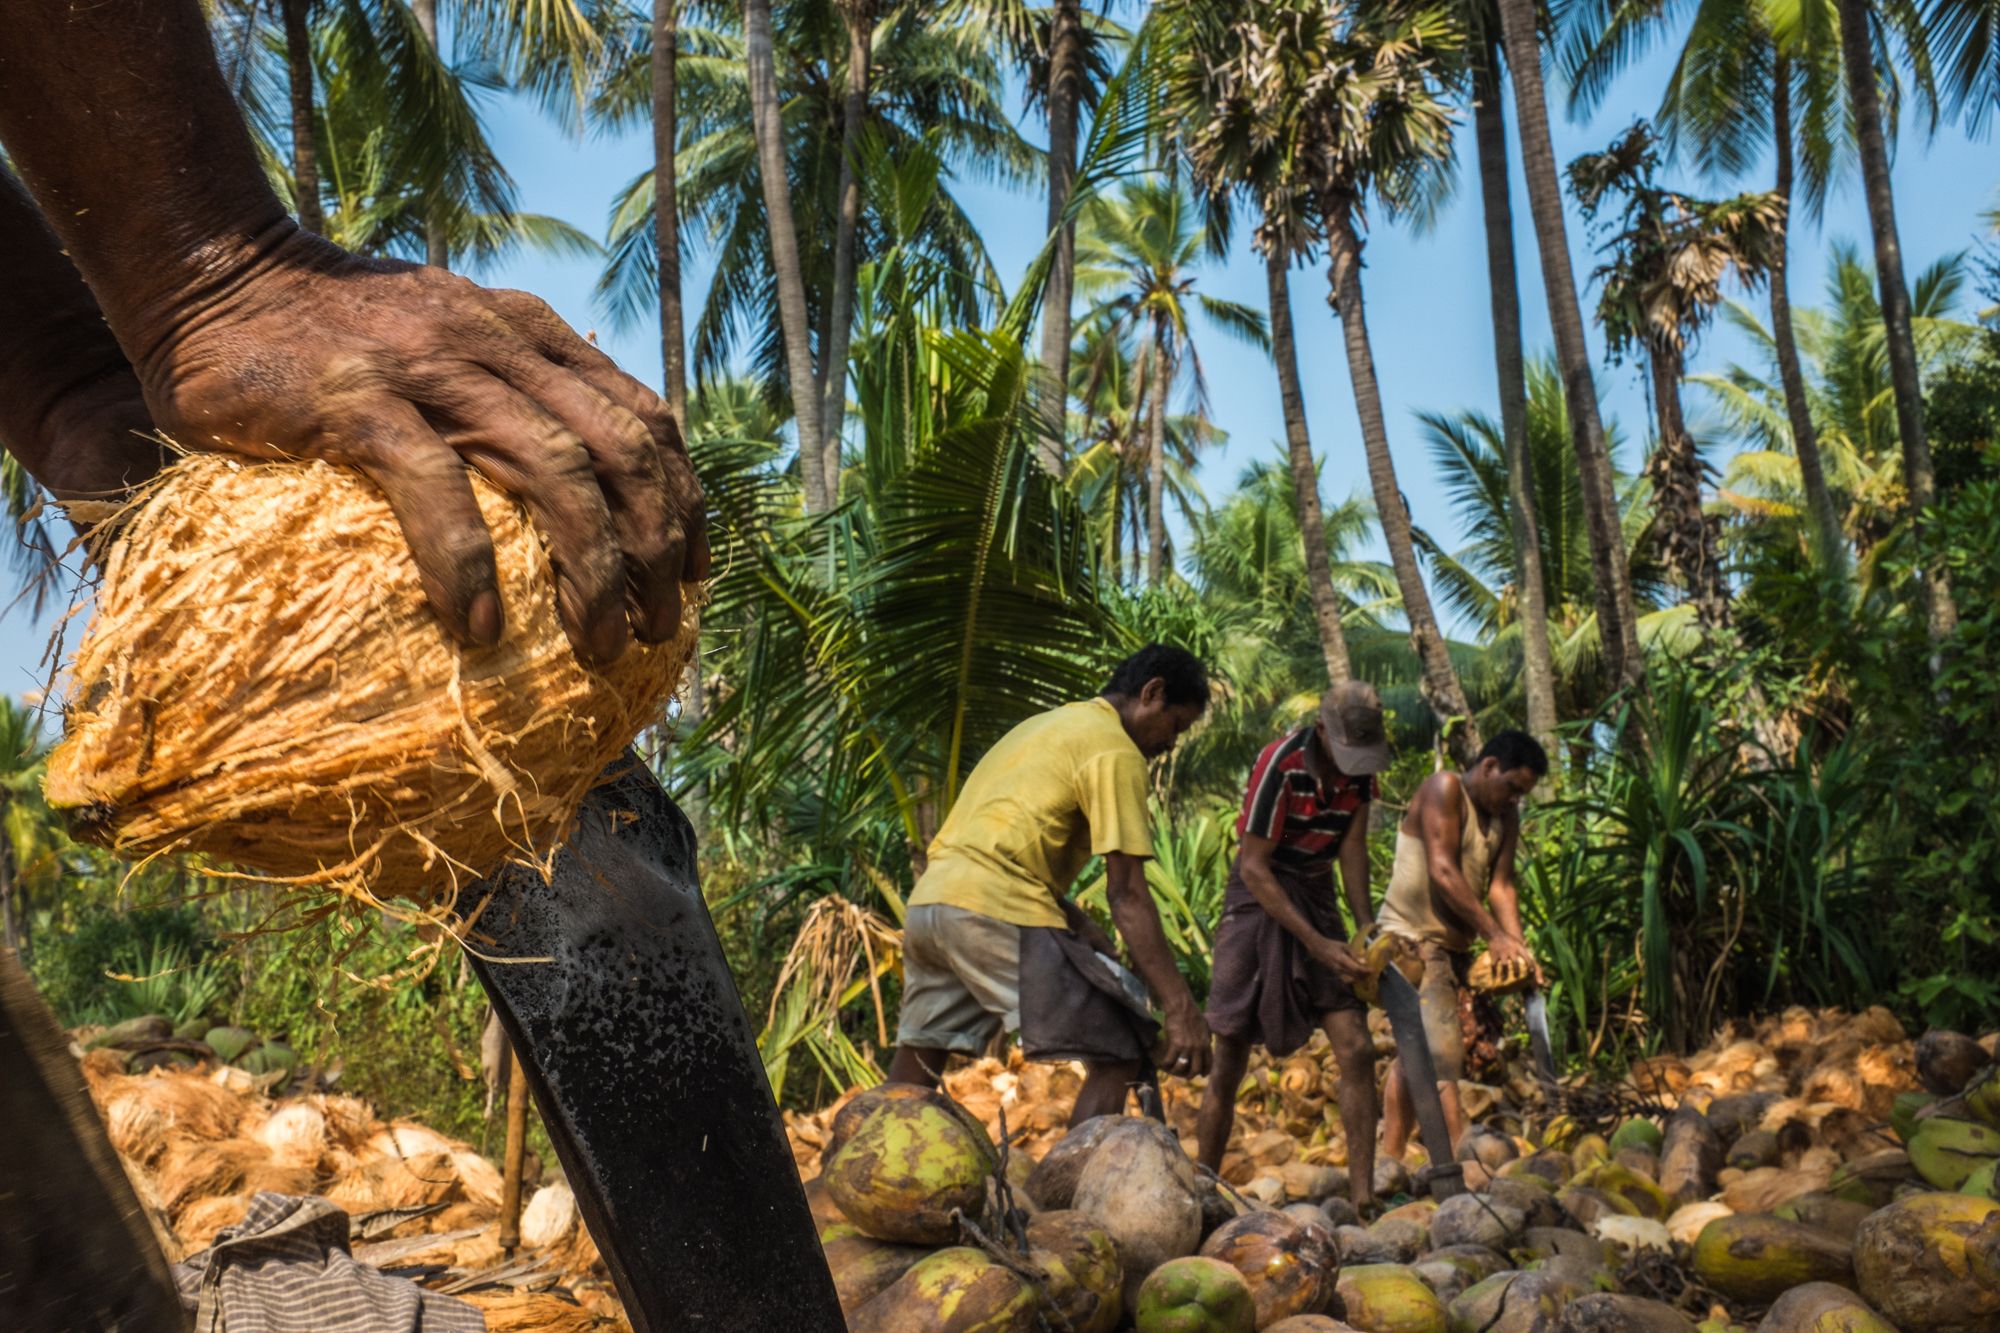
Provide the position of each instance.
(1195, 666)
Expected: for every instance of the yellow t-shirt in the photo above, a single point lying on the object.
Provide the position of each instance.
(1060, 788)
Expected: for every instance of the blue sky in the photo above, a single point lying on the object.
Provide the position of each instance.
(1427, 296)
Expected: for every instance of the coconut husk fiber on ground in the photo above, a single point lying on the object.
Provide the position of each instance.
(262, 681)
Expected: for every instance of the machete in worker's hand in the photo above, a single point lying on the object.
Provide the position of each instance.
(612, 985)
(1538, 1036)
(1406, 1022)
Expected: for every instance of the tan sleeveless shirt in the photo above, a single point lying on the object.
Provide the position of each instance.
(1410, 907)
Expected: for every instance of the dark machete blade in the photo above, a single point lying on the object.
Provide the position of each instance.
(1406, 1022)
(646, 1072)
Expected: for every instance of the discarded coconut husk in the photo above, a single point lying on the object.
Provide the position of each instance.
(535, 1312)
(262, 681)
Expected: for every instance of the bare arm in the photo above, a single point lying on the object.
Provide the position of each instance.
(1442, 824)
(250, 335)
(1354, 869)
(1138, 922)
(1504, 894)
(1254, 861)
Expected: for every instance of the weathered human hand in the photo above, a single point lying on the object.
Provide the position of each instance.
(293, 347)
(1187, 1041)
(1512, 963)
(87, 440)
(1341, 959)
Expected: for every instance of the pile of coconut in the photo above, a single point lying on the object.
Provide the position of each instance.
(1815, 1171)
(199, 1143)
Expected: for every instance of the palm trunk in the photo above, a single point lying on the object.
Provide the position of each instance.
(1805, 437)
(1918, 478)
(1305, 477)
(666, 203)
(1617, 612)
(1688, 547)
(10, 910)
(860, 16)
(1440, 685)
(1537, 660)
(305, 155)
(1065, 95)
(1156, 464)
(437, 253)
(769, 129)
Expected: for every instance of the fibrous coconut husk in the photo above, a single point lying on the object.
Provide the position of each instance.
(263, 681)
(193, 1169)
(201, 1220)
(535, 1312)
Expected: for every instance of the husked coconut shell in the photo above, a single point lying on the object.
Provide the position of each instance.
(1757, 1148)
(1543, 1243)
(1052, 1184)
(1391, 1177)
(1757, 1259)
(1687, 1222)
(1141, 1188)
(864, 1267)
(1586, 1205)
(1912, 1264)
(909, 1167)
(1531, 1302)
(1311, 1323)
(1454, 1268)
(549, 1216)
(1289, 1265)
(295, 1134)
(1389, 1298)
(1079, 1260)
(1535, 1201)
(1821, 1307)
(1624, 1236)
(1947, 1061)
(1690, 1156)
(1193, 1294)
(1609, 1312)
(956, 1290)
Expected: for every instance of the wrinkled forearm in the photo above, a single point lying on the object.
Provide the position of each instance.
(1354, 872)
(1460, 902)
(1138, 922)
(119, 121)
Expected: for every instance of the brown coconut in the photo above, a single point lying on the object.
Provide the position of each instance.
(1608, 1312)
(1052, 1184)
(1290, 1265)
(1821, 1307)
(863, 1267)
(1911, 1263)
(1141, 1188)
(262, 681)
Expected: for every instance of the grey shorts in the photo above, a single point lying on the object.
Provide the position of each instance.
(961, 979)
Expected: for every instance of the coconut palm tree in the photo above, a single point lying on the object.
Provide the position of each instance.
(1750, 76)
(1135, 258)
(1510, 365)
(1669, 255)
(1355, 97)
(1848, 391)
(928, 85)
(1616, 610)
(1859, 61)
(22, 757)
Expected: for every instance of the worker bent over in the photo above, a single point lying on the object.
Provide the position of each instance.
(991, 940)
(1282, 964)
(1452, 883)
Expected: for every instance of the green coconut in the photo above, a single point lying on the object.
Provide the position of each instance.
(1311, 1323)
(1646, 1198)
(1455, 1268)
(1822, 1307)
(1982, 1095)
(864, 1267)
(958, 1290)
(1610, 1312)
(1912, 1264)
(1873, 1179)
(1288, 1264)
(229, 1043)
(1637, 1133)
(1195, 1295)
(1828, 1212)
(1389, 1298)
(908, 1167)
(1079, 1262)
(1903, 1116)
(1946, 1149)
(1756, 1258)
(1589, 1151)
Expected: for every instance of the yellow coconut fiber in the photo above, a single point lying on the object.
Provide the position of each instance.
(262, 681)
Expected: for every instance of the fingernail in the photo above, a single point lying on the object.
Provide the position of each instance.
(483, 618)
(608, 638)
(665, 624)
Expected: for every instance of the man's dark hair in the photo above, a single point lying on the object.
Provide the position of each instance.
(1185, 678)
(1517, 749)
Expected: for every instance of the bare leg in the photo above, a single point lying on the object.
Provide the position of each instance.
(922, 1065)
(1105, 1088)
(1396, 1116)
(1354, 1053)
(1454, 1117)
(1218, 1099)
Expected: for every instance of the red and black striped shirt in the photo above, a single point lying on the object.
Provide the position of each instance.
(1287, 804)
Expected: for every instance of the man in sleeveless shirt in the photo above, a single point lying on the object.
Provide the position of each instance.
(1282, 964)
(1452, 884)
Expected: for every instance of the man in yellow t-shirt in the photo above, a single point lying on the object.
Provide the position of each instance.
(1058, 789)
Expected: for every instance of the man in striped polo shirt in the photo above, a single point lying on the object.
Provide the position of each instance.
(1282, 964)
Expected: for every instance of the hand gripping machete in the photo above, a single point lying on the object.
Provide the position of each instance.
(612, 985)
